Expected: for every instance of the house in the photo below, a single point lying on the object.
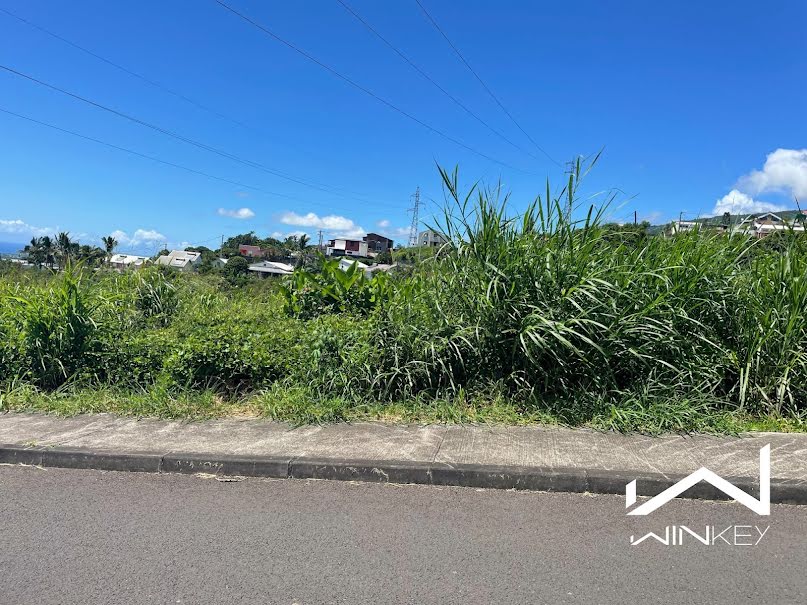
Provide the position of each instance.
(346, 247)
(219, 263)
(251, 251)
(345, 264)
(769, 222)
(681, 227)
(127, 261)
(181, 259)
(378, 243)
(431, 238)
(271, 269)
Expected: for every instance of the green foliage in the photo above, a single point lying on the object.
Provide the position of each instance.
(155, 297)
(50, 331)
(236, 266)
(519, 317)
(333, 290)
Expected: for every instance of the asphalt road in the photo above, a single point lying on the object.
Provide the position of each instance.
(90, 537)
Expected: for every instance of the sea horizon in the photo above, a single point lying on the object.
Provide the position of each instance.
(10, 247)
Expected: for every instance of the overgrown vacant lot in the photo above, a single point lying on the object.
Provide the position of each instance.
(516, 320)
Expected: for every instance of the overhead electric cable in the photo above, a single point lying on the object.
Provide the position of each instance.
(482, 82)
(165, 89)
(365, 90)
(158, 160)
(175, 135)
(414, 66)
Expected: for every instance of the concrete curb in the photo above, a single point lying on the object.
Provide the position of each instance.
(574, 480)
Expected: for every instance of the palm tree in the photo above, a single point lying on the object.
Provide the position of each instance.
(35, 251)
(48, 250)
(110, 243)
(303, 241)
(64, 247)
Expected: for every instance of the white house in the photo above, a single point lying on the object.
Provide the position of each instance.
(430, 238)
(127, 261)
(346, 247)
(181, 259)
(770, 222)
(269, 268)
(346, 263)
(218, 263)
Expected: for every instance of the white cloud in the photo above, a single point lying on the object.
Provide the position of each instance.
(140, 236)
(399, 232)
(21, 227)
(383, 224)
(240, 213)
(737, 202)
(343, 227)
(785, 170)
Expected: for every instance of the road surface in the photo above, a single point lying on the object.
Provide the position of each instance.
(90, 537)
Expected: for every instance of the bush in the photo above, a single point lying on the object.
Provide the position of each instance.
(333, 290)
(575, 318)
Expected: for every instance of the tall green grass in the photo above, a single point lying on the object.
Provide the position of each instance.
(524, 315)
(566, 316)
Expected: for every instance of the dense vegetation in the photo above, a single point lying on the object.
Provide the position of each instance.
(522, 318)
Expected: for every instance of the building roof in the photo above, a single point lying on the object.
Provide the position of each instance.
(179, 258)
(376, 236)
(345, 264)
(272, 267)
(127, 259)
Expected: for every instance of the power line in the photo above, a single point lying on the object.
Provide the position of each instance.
(485, 86)
(366, 91)
(177, 136)
(158, 86)
(138, 154)
(156, 159)
(414, 66)
(125, 70)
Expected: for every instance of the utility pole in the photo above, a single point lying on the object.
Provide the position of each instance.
(635, 218)
(320, 239)
(415, 210)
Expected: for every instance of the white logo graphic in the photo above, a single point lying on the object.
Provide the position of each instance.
(761, 506)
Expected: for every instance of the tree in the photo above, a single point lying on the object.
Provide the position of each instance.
(64, 248)
(303, 242)
(36, 252)
(91, 255)
(49, 250)
(40, 251)
(236, 266)
(110, 243)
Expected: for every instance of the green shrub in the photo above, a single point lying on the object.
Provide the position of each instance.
(332, 290)
(52, 329)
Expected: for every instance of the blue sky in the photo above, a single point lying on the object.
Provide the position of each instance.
(698, 106)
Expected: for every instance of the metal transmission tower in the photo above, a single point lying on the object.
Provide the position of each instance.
(571, 169)
(415, 210)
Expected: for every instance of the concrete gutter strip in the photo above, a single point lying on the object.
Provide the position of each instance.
(574, 480)
(531, 458)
